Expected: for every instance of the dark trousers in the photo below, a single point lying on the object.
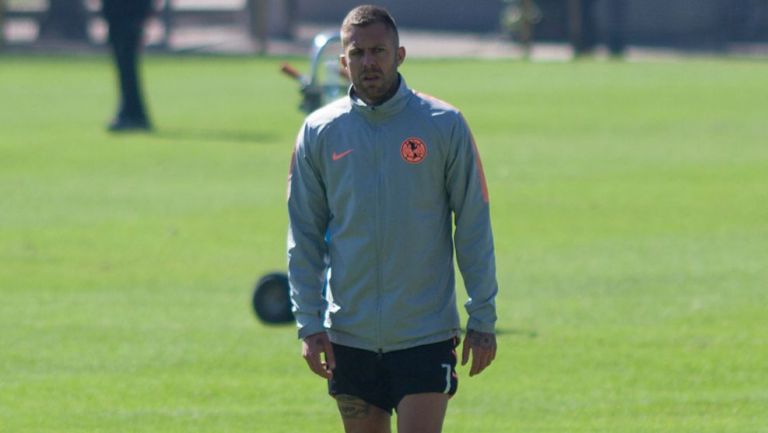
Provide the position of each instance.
(125, 39)
(588, 27)
(617, 21)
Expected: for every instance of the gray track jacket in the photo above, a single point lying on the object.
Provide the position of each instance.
(370, 251)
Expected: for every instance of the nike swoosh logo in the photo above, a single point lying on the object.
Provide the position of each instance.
(338, 156)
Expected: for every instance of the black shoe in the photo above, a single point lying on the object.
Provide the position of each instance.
(129, 125)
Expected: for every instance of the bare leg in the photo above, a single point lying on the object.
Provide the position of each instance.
(421, 413)
(361, 417)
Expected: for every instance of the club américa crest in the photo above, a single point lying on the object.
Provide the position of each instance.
(413, 150)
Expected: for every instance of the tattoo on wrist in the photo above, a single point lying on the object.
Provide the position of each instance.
(352, 407)
(481, 339)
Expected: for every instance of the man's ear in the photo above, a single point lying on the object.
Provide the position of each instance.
(343, 61)
(400, 56)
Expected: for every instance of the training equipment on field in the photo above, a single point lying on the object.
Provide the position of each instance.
(326, 81)
(271, 299)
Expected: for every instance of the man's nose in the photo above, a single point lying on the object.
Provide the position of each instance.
(368, 59)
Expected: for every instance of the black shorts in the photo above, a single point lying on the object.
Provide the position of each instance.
(384, 379)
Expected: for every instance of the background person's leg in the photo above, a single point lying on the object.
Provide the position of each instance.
(421, 413)
(126, 38)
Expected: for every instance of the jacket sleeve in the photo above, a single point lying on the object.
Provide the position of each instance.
(468, 195)
(307, 250)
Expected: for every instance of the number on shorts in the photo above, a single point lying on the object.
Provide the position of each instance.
(447, 368)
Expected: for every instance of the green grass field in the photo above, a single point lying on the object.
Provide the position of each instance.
(630, 206)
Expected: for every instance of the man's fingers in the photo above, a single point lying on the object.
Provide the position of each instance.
(479, 357)
(330, 359)
(313, 347)
(475, 363)
(465, 352)
(313, 361)
(481, 360)
(319, 367)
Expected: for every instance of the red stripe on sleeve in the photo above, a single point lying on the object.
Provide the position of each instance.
(479, 164)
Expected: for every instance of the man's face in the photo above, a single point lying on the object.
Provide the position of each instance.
(371, 59)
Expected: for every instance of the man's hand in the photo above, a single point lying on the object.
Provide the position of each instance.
(311, 348)
(483, 348)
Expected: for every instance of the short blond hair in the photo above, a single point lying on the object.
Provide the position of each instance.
(366, 15)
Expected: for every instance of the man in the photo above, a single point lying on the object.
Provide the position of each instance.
(125, 19)
(375, 179)
(581, 26)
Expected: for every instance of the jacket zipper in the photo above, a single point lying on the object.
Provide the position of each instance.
(379, 162)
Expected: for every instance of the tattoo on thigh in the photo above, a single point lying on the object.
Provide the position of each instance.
(352, 407)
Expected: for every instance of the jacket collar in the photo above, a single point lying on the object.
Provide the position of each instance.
(383, 111)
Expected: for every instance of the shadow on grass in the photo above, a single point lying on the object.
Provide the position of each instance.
(238, 137)
(525, 333)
